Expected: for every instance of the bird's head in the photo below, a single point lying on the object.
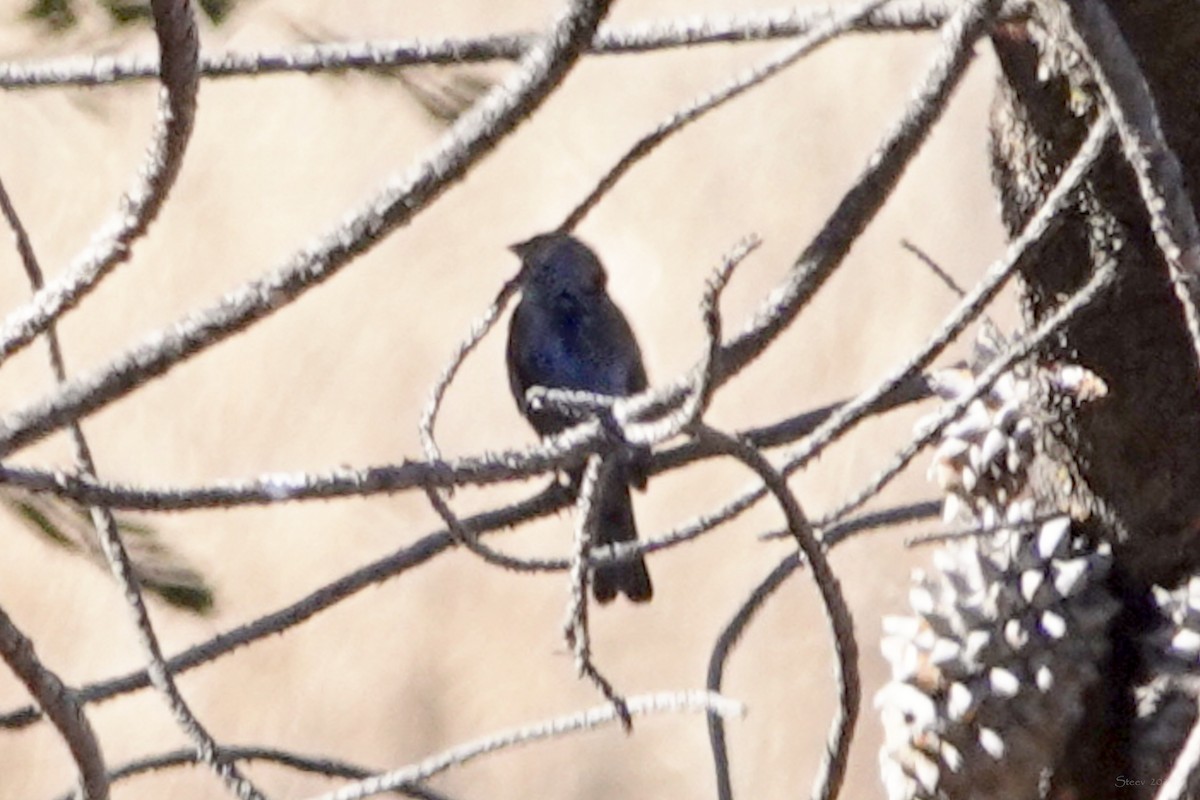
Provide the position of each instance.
(558, 263)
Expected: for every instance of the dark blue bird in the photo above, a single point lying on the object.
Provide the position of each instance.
(566, 333)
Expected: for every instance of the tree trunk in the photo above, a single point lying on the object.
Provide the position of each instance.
(1128, 464)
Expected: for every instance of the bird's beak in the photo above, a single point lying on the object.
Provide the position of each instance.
(520, 249)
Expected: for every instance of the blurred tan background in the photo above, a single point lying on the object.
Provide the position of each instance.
(456, 649)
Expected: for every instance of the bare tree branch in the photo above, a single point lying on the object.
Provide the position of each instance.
(887, 518)
(59, 704)
(845, 415)
(472, 136)
(479, 329)
(578, 636)
(368, 481)
(178, 47)
(895, 15)
(440, 502)
(674, 702)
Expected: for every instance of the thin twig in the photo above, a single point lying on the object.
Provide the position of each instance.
(989, 327)
(479, 329)
(437, 498)
(887, 518)
(59, 704)
(973, 531)
(673, 702)
(696, 403)
(838, 24)
(463, 535)
(935, 268)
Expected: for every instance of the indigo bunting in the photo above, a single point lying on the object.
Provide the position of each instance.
(566, 333)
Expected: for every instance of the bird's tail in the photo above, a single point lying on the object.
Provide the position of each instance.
(615, 523)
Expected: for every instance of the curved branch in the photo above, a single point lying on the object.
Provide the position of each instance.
(438, 498)
(728, 639)
(832, 774)
(59, 704)
(178, 46)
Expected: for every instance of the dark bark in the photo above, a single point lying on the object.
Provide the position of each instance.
(1137, 450)
(1129, 464)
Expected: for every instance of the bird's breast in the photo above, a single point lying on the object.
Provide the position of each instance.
(567, 348)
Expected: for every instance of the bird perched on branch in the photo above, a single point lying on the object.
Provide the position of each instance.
(566, 333)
